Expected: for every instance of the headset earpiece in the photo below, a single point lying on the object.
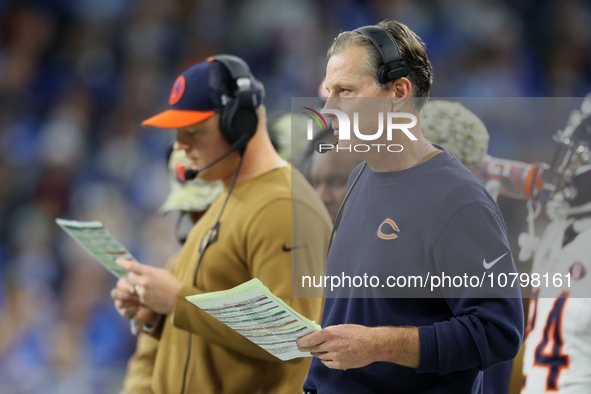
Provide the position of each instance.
(238, 118)
(394, 66)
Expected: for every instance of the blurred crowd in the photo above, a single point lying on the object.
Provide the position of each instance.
(78, 76)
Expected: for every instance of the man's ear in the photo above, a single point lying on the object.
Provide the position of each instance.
(400, 87)
(262, 87)
(400, 93)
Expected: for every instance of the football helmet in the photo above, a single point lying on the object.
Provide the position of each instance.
(572, 164)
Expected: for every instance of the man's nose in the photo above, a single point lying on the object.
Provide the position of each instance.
(332, 102)
(324, 193)
(179, 145)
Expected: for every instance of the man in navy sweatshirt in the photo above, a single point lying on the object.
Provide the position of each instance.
(415, 297)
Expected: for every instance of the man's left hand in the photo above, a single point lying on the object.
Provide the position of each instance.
(341, 347)
(157, 288)
(348, 346)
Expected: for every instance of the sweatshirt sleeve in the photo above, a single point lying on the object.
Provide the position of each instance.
(487, 323)
(268, 257)
(138, 379)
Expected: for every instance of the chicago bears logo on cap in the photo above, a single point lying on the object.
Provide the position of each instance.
(177, 90)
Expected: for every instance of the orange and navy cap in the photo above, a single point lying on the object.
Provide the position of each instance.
(196, 95)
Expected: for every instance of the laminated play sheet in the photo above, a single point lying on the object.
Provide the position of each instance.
(97, 241)
(260, 316)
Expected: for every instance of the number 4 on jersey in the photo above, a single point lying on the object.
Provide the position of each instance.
(548, 350)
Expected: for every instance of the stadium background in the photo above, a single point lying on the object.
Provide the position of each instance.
(77, 77)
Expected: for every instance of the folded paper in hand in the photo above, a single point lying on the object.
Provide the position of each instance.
(260, 316)
(97, 241)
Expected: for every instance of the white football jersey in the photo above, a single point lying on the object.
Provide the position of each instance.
(558, 343)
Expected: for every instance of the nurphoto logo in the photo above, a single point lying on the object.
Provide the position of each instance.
(344, 129)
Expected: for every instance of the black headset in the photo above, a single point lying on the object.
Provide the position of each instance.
(238, 118)
(394, 67)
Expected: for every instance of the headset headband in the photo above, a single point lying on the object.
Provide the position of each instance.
(238, 69)
(394, 66)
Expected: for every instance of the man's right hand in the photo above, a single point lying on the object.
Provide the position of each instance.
(128, 304)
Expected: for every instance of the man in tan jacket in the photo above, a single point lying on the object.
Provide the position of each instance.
(246, 233)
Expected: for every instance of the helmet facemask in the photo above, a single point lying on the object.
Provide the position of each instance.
(572, 160)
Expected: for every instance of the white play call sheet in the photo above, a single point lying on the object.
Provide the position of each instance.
(256, 313)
